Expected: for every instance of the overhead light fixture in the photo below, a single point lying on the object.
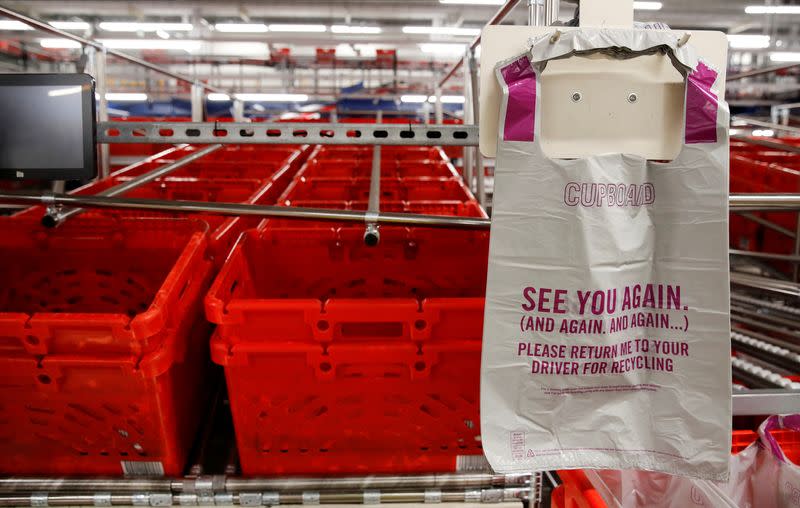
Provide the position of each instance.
(413, 99)
(785, 56)
(125, 26)
(272, 97)
(441, 30)
(348, 29)
(59, 44)
(10, 24)
(218, 97)
(647, 6)
(748, 41)
(772, 9)
(126, 97)
(442, 49)
(249, 28)
(448, 99)
(473, 2)
(297, 28)
(70, 25)
(173, 44)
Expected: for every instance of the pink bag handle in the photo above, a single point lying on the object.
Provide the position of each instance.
(777, 422)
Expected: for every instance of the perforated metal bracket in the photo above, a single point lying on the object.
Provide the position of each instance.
(287, 133)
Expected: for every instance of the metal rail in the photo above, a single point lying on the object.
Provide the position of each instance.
(45, 27)
(769, 144)
(764, 283)
(221, 483)
(759, 72)
(55, 216)
(766, 255)
(750, 201)
(499, 16)
(762, 123)
(288, 133)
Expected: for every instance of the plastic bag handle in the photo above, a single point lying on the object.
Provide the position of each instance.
(777, 422)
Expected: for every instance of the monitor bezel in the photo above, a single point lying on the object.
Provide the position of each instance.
(89, 125)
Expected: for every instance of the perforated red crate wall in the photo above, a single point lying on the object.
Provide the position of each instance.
(102, 345)
(343, 358)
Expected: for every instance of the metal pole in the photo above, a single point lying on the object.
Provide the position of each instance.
(797, 250)
(238, 111)
(274, 211)
(438, 110)
(478, 169)
(45, 27)
(769, 144)
(758, 282)
(759, 72)
(100, 60)
(761, 123)
(198, 94)
(499, 16)
(766, 255)
(469, 115)
(372, 234)
(54, 217)
(551, 11)
(768, 224)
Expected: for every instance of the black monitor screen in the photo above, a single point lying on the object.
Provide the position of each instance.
(47, 127)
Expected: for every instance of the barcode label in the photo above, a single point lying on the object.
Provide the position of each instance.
(472, 463)
(141, 468)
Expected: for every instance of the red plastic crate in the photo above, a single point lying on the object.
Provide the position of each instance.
(392, 189)
(342, 358)
(362, 168)
(102, 345)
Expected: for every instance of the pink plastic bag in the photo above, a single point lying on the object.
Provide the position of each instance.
(761, 476)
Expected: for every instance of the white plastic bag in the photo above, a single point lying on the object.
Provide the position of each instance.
(606, 333)
(761, 476)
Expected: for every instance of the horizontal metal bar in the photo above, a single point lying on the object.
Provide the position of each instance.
(766, 402)
(775, 145)
(772, 201)
(287, 133)
(237, 209)
(53, 219)
(766, 255)
(759, 72)
(231, 485)
(762, 123)
(767, 284)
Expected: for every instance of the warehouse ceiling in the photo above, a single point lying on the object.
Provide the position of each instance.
(206, 32)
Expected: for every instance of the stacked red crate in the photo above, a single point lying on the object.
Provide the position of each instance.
(346, 358)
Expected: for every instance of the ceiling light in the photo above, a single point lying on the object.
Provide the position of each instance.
(443, 49)
(772, 9)
(162, 34)
(241, 27)
(219, 97)
(448, 99)
(186, 45)
(70, 25)
(647, 6)
(10, 24)
(59, 43)
(272, 97)
(784, 56)
(347, 29)
(297, 28)
(114, 26)
(128, 97)
(413, 99)
(473, 2)
(747, 41)
(441, 30)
